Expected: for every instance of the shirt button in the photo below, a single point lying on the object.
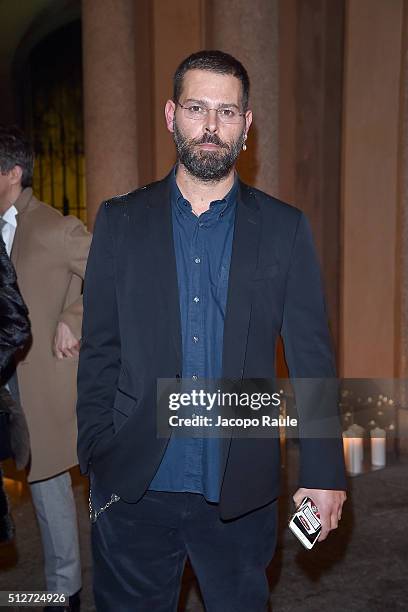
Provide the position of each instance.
(197, 260)
(195, 339)
(196, 299)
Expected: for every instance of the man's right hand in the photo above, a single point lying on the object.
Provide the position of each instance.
(65, 343)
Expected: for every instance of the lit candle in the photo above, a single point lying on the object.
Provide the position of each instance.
(346, 445)
(353, 449)
(378, 447)
(358, 432)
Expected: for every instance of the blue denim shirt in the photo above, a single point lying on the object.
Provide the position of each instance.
(203, 248)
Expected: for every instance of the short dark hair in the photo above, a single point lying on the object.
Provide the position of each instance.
(16, 150)
(214, 61)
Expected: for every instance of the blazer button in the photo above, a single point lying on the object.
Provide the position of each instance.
(178, 376)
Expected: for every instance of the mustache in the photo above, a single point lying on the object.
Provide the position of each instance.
(211, 139)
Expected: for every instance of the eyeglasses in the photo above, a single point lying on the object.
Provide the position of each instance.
(199, 112)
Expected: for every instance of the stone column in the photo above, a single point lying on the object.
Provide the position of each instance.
(110, 104)
(249, 31)
(178, 32)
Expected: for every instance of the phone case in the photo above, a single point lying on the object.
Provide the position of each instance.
(305, 523)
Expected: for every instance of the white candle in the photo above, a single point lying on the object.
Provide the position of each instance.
(353, 452)
(356, 431)
(346, 445)
(378, 447)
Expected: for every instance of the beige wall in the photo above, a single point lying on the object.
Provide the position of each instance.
(401, 306)
(310, 107)
(369, 186)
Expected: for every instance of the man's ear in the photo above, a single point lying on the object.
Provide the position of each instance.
(16, 175)
(248, 121)
(169, 112)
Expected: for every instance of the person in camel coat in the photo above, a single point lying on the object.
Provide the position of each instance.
(49, 253)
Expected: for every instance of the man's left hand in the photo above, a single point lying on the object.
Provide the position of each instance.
(65, 343)
(329, 504)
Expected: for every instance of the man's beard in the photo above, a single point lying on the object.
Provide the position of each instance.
(210, 166)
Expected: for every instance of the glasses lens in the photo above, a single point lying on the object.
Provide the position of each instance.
(194, 111)
(197, 112)
(228, 115)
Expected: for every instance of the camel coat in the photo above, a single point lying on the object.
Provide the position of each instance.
(49, 254)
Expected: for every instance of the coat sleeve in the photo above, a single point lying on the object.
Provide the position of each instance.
(309, 355)
(77, 241)
(99, 358)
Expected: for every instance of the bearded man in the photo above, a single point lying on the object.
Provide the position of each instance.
(194, 277)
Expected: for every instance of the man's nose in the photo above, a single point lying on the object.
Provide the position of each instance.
(211, 121)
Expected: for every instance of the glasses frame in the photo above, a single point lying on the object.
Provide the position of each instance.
(209, 109)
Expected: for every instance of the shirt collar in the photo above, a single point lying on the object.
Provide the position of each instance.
(10, 216)
(24, 199)
(217, 207)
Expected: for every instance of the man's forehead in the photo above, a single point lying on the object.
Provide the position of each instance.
(205, 84)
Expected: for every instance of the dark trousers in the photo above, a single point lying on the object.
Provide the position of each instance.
(139, 552)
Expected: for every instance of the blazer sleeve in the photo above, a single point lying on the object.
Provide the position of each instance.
(310, 359)
(99, 358)
(77, 242)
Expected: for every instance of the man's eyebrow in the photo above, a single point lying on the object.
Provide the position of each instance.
(205, 103)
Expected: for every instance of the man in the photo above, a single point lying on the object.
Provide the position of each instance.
(195, 277)
(49, 252)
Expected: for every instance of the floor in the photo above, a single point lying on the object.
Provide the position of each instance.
(361, 567)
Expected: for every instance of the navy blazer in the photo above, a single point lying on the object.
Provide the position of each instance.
(131, 337)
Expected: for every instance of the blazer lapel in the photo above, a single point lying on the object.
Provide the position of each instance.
(242, 271)
(161, 230)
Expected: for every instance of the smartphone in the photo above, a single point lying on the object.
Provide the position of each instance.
(305, 523)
